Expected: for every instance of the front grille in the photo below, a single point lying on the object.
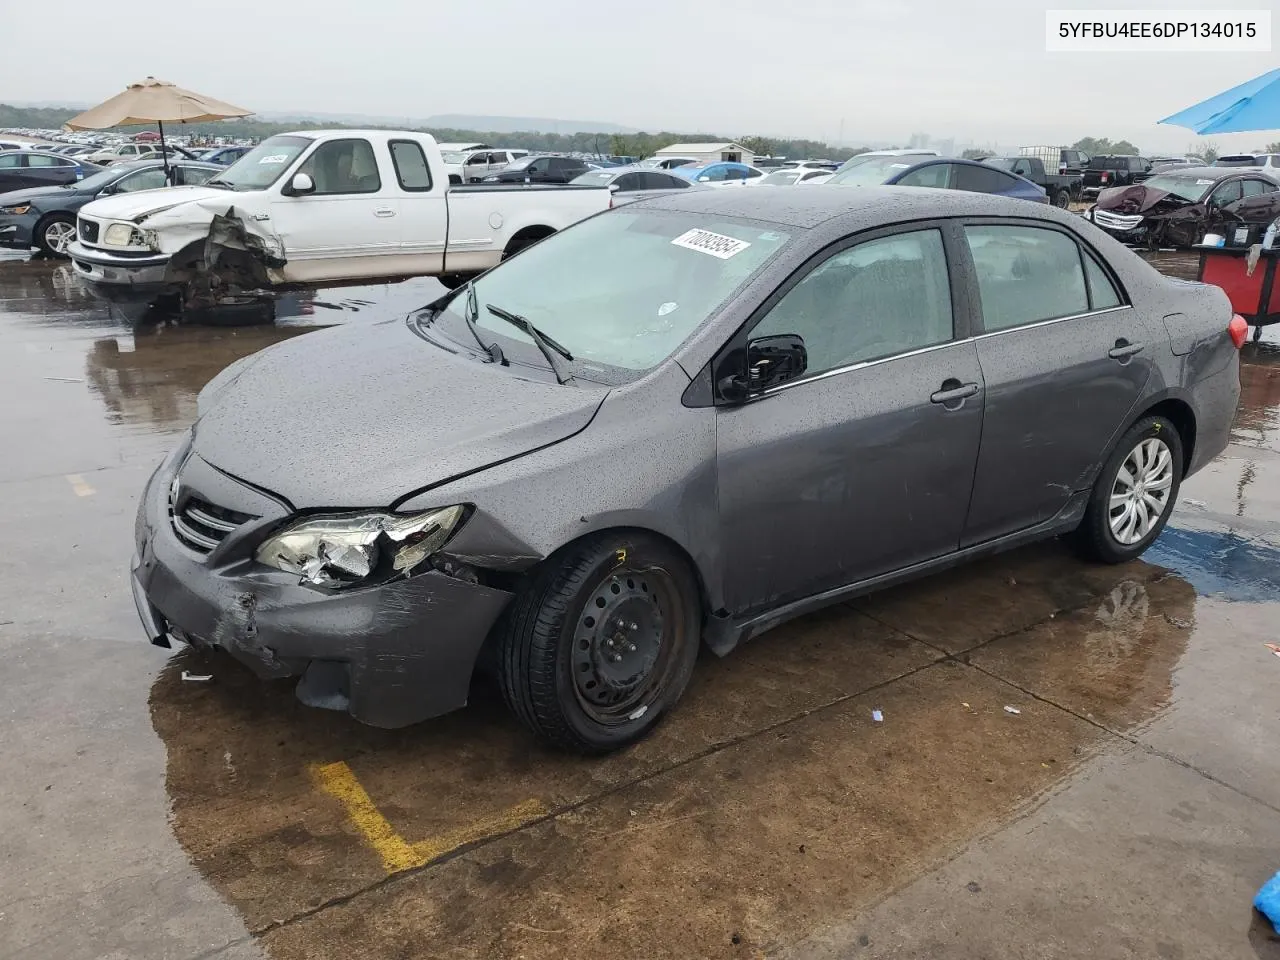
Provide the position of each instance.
(1116, 221)
(88, 230)
(201, 525)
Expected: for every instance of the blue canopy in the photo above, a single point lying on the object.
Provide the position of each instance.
(1254, 105)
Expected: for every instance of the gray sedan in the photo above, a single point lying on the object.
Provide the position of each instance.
(634, 183)
(675, 424)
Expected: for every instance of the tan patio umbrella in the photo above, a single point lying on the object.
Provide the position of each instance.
(155, 101)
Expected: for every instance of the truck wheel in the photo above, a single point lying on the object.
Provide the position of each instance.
(1134, 493)
(55, 232)
(601, 642)
(1062, 199)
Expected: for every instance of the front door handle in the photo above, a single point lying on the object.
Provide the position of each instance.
(1123, 350)
(384, 212)
(953, 392)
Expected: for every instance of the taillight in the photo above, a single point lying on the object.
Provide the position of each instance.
(1239, 330)
(1104, 177)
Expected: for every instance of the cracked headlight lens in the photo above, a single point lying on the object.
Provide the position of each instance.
(123, 235)
(336, 551)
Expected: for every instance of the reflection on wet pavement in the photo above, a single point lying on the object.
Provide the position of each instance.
(1057, 739)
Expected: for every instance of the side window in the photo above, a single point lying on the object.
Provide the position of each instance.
(665, 181)
(751, 174)
(1226, 193)
(10, 160)
(1022, 168)
(195, 176)
(1102, 292)
(142, 180)
(1256, 188)
(343, 166)
(40, 160)
(411, 165)
(979, 179)
(1026, 274)
(873, 300)
(933, 175)
(629, 181)
(540, 165)
(714, 174)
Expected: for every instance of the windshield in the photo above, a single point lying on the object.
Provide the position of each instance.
(519, 163)
(263, 165)
(455, 156)
(871, 172)
(1186, 188)
(623, 290)
(596, 178)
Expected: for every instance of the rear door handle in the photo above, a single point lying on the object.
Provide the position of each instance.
(1124, 349)
(384, 212)
(953, 391)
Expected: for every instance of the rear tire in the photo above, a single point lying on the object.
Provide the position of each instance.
(1062, 199)
(1134, 493)
(55, 232)
(601, 642)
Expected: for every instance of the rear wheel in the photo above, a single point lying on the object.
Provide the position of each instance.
(55, 233)
(1134, 493)
(602, 642)
(1062, 199)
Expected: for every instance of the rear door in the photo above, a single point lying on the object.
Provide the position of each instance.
(1065, 360)
(346, 227)
(44, 170)
(424, 215)
(865, 463)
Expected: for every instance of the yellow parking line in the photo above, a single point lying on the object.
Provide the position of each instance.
(337, 780)
(79, 485)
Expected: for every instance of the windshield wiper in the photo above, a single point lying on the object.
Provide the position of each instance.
(471, 312)
(216, 182)
(544, 343)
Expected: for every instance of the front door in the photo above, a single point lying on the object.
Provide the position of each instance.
(346, 227)
(865, 463)
(1065, 361)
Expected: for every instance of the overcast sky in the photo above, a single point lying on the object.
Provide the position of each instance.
(882, 68)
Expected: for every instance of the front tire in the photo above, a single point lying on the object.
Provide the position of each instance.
(55, 233)
(1134, 493)
(601, 643)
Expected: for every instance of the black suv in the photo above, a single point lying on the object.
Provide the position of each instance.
(541, 169)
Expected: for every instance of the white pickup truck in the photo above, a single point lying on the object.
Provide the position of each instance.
(326, 206)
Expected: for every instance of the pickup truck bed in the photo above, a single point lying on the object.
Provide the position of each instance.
(328, 206)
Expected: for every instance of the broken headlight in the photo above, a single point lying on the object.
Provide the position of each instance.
(335, 551)
(123, 235)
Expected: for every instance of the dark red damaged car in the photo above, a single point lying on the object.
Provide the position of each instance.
(1177, 208)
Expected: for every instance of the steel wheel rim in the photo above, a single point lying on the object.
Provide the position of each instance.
(1140, 494)
(58, 235)
(625, 643)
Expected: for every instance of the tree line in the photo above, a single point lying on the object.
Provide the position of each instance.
(600, 144)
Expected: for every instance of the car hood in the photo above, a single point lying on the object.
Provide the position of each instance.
(1139, 198)
(142, 204)
(361, 416)
(32, 194)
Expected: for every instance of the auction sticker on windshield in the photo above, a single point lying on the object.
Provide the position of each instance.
(716, 244)
(275, 158)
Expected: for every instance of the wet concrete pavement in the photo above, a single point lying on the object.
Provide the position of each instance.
(1130, 809)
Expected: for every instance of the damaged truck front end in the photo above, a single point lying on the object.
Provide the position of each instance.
(200, 248)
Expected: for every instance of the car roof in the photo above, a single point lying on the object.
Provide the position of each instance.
(1205, 173)
(851, 208)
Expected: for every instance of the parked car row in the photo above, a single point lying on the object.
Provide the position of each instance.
(32, 168)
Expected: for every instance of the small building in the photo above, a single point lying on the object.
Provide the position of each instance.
(708, 152)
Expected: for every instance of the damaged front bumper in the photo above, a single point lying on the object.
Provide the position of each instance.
(120, 277)
(390, 654)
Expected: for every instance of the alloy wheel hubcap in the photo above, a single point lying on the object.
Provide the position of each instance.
(1140, 495)
(617, 645)
(58, 235)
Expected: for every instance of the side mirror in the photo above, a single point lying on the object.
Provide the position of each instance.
(703, 178)
(613, 188)
(770, 362)
(301, 185)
